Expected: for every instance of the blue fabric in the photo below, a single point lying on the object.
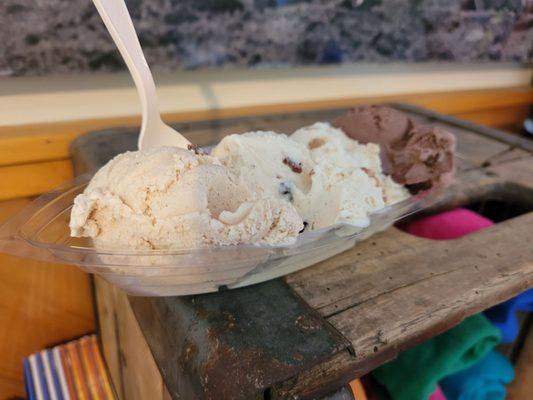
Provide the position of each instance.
(485, 380)
(42, 376)
(503, 316)
(28, 380)
(55, 375)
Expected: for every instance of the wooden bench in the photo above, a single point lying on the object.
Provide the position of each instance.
(310, 333)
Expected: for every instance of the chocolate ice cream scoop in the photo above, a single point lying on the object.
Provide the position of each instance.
(423, 158)
(375, 124)
(415, 155)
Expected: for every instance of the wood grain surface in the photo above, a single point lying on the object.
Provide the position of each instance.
(33, 179)
(390, 302)
(131, 365)
(522, 385)
(41, 305)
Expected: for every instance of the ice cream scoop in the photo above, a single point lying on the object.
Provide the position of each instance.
(347, 183)
(329, 145)
(272, 163)
(423, 158)
(339, 196)
(328, 177)
(170, 198)
(374, 124)
(415, 155)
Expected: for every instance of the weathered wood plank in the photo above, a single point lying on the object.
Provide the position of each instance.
(429, 292)
(509, 155)
(107, 311)
(132, 367)
(330, 285)
(518, 171)
(140, 376)
(475, 149)
(441, 281)
(337, 283)
(481, 130)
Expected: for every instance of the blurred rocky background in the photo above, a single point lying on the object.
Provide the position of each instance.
(62, 36)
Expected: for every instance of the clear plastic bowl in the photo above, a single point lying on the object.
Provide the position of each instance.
(41, 232)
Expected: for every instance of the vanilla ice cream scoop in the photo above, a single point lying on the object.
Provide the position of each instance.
(269, 162)
(347, 183)
(169, 198)
(328, 177)
(330, 145)
(339, 196)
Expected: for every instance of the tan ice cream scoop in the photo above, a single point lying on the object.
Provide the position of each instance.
(171, 198)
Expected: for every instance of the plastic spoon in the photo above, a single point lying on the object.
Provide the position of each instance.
(154, 132)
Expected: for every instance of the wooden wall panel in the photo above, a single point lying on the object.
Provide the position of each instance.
(41, 304)
(32, 179)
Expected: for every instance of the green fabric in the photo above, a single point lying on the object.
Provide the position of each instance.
(414, 374)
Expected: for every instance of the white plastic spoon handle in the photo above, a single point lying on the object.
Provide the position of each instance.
(117, 19)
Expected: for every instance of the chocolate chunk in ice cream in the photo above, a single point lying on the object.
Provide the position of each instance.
(295, 167)
(415, 155)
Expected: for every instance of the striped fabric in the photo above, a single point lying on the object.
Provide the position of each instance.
(73, 371)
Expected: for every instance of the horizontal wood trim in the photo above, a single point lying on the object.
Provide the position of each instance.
(474, 100)
(498, 117)
(34, 144)
(33, 179)
(31, 143)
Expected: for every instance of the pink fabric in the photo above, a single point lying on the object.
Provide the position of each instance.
(437, 395)
(448, 225)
